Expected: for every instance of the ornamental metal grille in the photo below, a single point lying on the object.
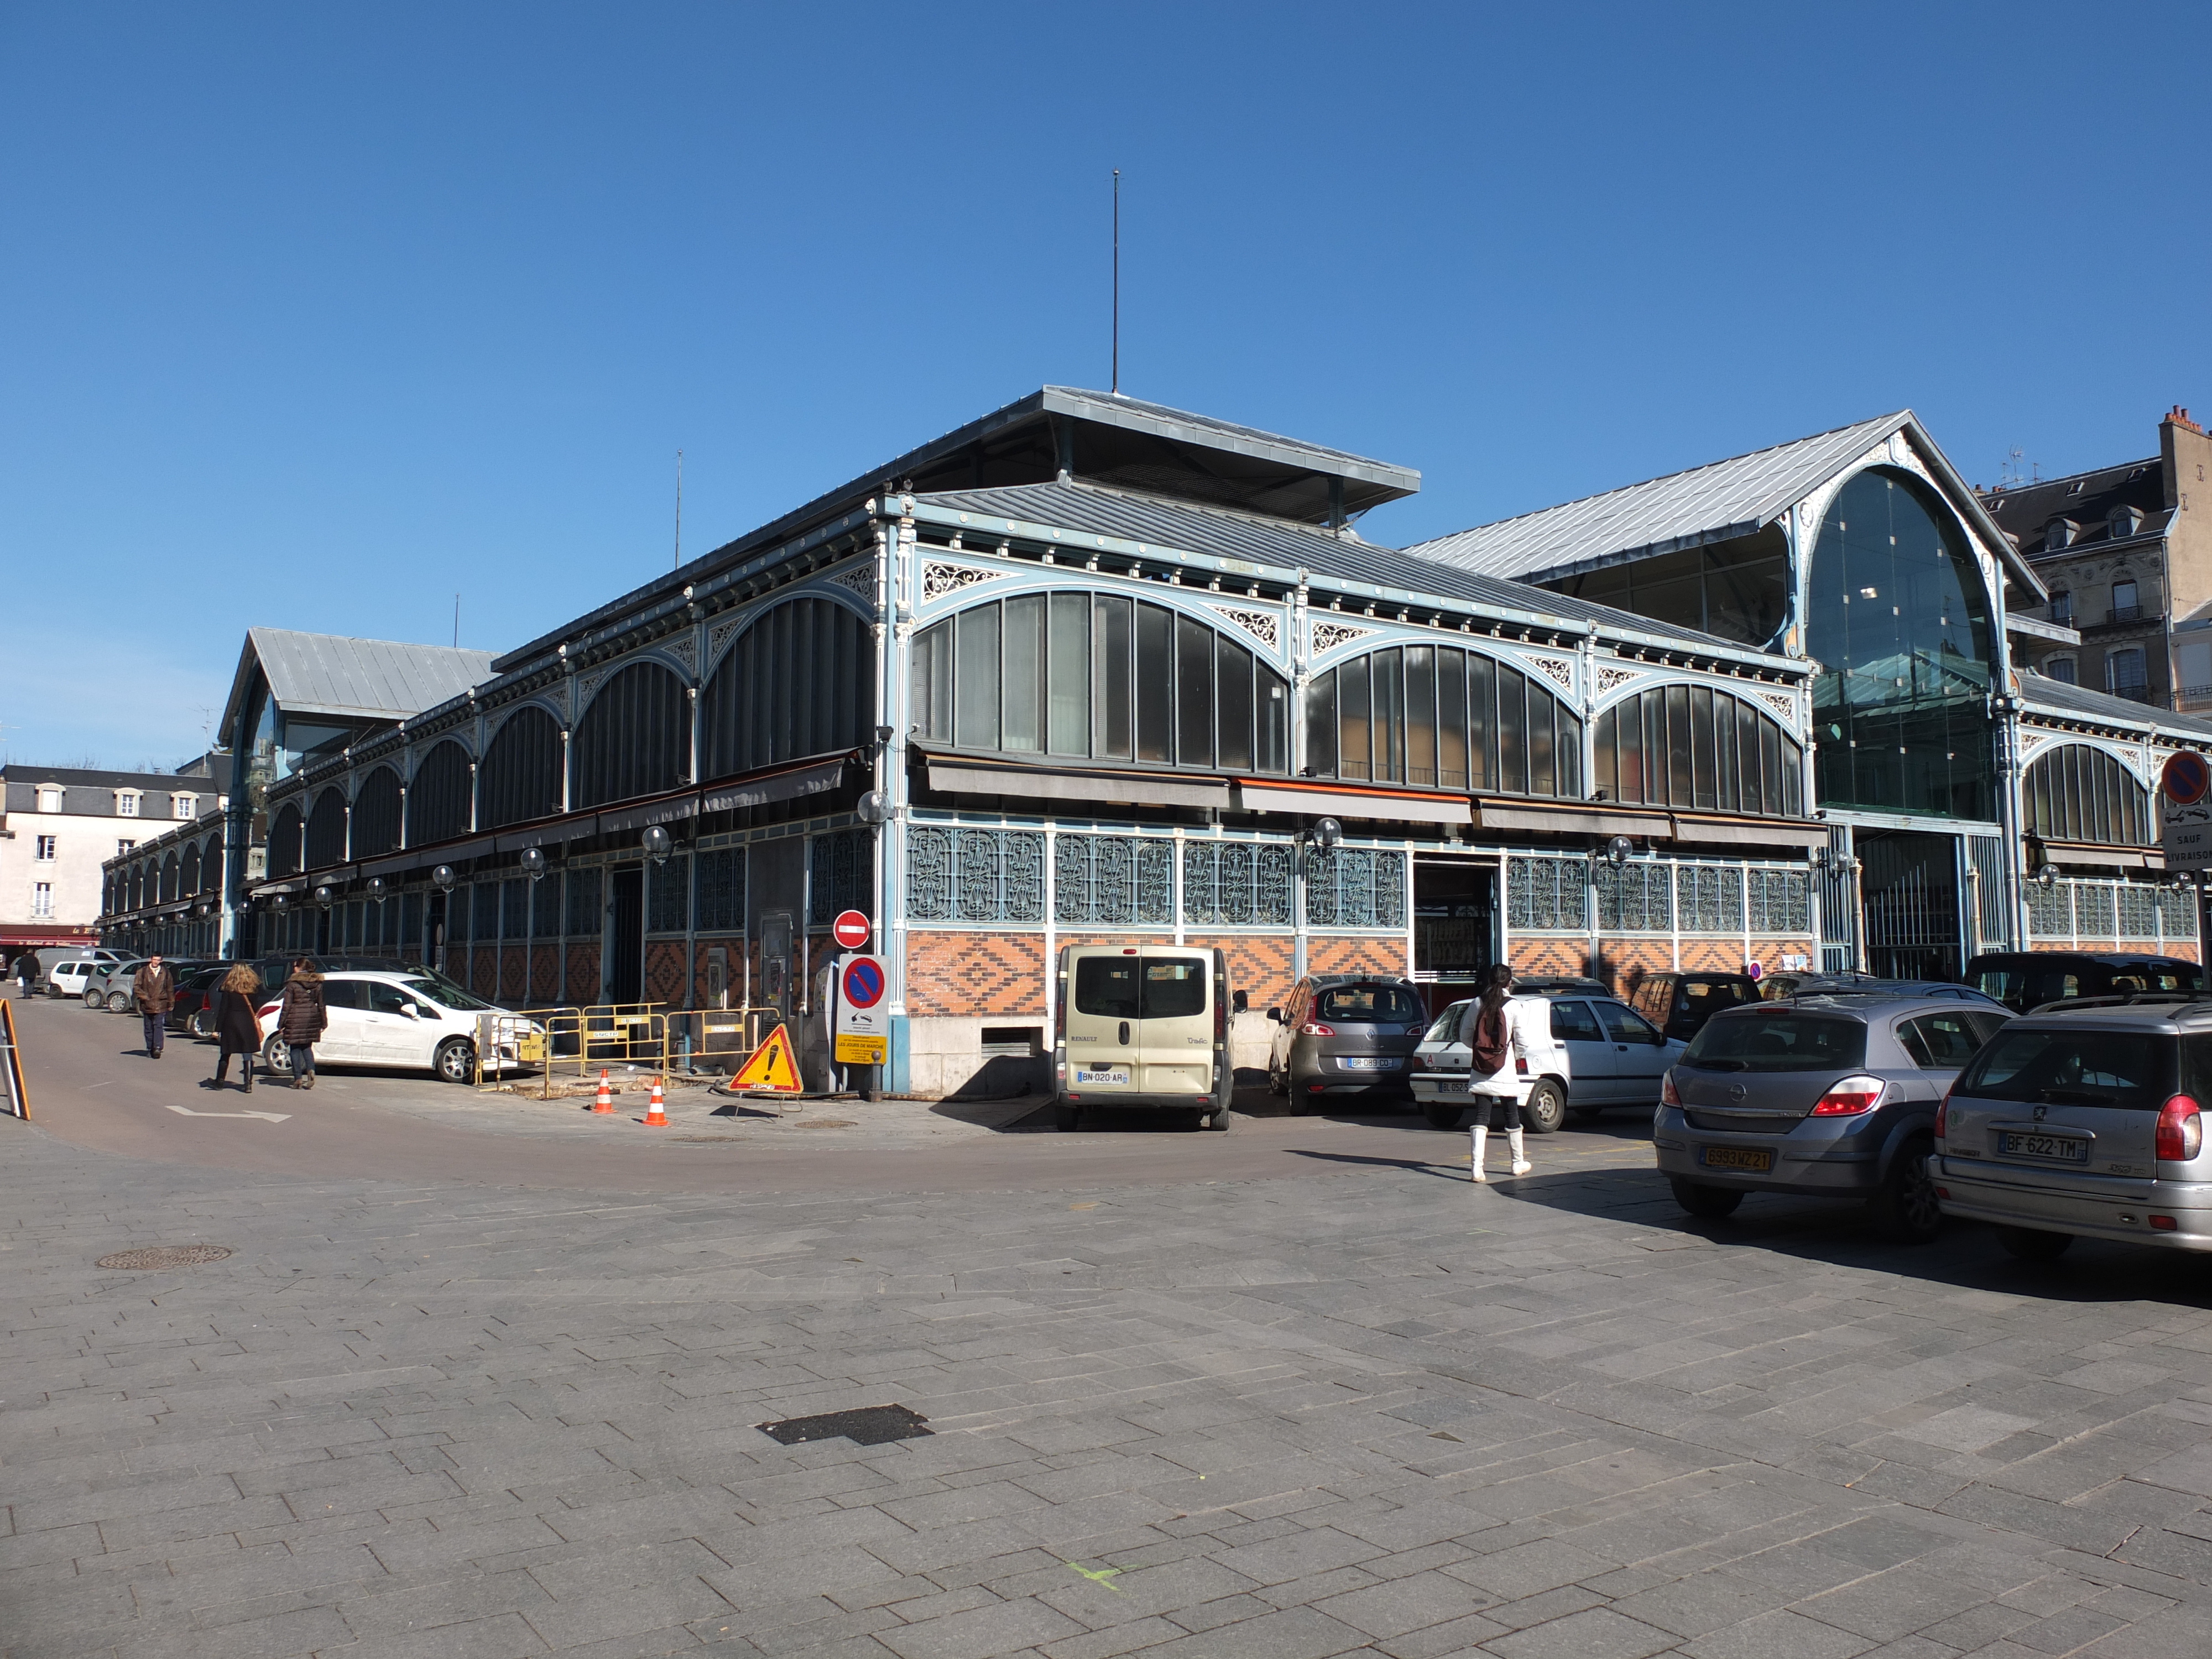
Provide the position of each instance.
(975, 875)
(2177, 914)
(668, 895)
(1235, 884)
(545, 905)
(584, 915)
(838, 866)
(1355, 887)
(1780, 901)
(514, 908)
(486, 906)
(1114, 881)
(2096, 914)
(1547, 894)
(1711, 898)
(2138, 912)
(721, 898)
(1636, 898)
(410, 918)
(2050, 911)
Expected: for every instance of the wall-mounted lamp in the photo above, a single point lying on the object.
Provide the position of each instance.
(1834, 863)
(2046, 876)
(1323, 833)
(325, 894)
(1616, 851)
(874, 807)
(533, 863)
(282, 902)
(443, 878)
(377, 888)
(657, 843)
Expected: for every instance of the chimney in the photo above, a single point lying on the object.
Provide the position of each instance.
(2180, 416)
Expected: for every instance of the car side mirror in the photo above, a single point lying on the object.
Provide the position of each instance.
(1240, 1002)
(1275, 1014)
(408, 1009)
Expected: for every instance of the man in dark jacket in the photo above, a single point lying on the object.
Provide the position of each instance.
(301, 1020)
(154, 989)
(26, 973)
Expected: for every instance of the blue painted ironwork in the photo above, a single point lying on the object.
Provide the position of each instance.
(1780, 900)
(1355, 887)
(1634, 898)
(838, 871)
(1547, 894)
(1114, 881)
(975, 875)
(1235, 884)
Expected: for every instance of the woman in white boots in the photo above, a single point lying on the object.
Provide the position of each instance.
(1500, 1035)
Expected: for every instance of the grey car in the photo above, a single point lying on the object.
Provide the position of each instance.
(2085, 1123)
(1831, 1096)
(1346, 1035)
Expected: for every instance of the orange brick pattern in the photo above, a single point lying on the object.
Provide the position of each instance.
(663, 972)
(583, 973)
(483, 971)
(975, 973)
(1261, 965)
(736, 947)
(1386, 955)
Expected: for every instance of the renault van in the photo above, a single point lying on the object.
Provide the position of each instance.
(1143, 1028)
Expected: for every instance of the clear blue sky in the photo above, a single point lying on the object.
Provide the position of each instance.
(318, 314)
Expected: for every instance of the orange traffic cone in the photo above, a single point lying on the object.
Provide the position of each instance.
(605, 1102)
(655, 1117)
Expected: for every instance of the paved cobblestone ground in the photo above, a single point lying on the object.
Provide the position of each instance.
(1370, 1409)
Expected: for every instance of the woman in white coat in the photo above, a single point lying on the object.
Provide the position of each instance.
(1498, 1035)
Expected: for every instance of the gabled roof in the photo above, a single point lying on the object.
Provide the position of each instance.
(2051, 697)
(2086, 498)
(1291, 547)
(346, 678)
(1715, 502)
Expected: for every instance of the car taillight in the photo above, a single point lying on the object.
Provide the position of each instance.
(1315, 1028)
(1415, 1030)
(2181, 1131)
(1668, 1095)
(1520, 1066)
(1849, 1098)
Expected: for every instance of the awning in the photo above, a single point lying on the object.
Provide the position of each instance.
(1389, 806)
(1564, 819)
(1750, 832)
(817, 778)
(2089, 853)
(1031, 783)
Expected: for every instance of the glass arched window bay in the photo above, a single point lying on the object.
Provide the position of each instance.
(1438, 718)
(2080, 792)
(1899, 619)
(1097, 677)
(1694, 747)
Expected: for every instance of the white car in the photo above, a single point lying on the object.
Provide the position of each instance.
(1602, 1053)
(408, 1021)
(67, 979)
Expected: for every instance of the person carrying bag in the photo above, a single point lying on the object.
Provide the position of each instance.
(237, 1028)
(302, 1021)
(1496, 1036)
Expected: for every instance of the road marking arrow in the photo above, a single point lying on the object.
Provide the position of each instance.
(266, 1117)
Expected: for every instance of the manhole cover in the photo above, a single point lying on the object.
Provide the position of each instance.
(166, 1255)
(869, 1425)
(820, 1123)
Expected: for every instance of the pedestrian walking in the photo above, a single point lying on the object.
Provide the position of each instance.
(237, 1027)
(27, 974)
(1498, 1036)
(301, 1020)
(153, 990)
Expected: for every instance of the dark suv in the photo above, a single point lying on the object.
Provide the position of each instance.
(1680, 1003)
(1830, 1096)
(2026, 980)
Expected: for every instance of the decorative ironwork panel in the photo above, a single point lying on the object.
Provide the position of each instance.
(1635, 898)
(1355, 887)
(2050, 911)
(1712, 898)
(545, 905)
(514, 908)
(975, 875)
(1545, 895)
(2176, 913)
(2138, 911)
(838, 871)
(1155, 884)
(1780, 901)
(2096, 914)
(487, 911)
(410, 918)
(586, 917)
(668, 895)
(721, 894)
(1235, 884)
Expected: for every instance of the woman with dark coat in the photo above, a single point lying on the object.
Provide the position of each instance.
(301, 1022)
(237, 1028)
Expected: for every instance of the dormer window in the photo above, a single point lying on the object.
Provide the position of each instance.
(126, 803)
(2125, 521)
(185, 806)
(2058, 533)
(51, 798)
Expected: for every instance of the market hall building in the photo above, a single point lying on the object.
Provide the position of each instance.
(1092, 668)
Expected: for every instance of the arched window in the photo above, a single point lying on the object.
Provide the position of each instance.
(326, 829)
(1096, 676)
(172, 874)
(634, 739)
(2078, 793)
(376, 814)
(1899, 618)
(800, 681)
(438, 799)
(284, 841)
(188, 883)
(212, 865)
(1693, 747)
(520, 779)
(1437, 717)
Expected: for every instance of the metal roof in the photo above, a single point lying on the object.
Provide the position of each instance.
(2050, 696)
(352, 679)
(1715, 502)
(1290, 547)
(1134, 415)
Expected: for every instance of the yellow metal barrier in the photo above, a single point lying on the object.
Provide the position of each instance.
(576, 1040)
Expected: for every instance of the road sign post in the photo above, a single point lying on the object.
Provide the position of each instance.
(862, 1036)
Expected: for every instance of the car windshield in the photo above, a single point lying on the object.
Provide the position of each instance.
(1368, 1004)
(444, 993)
(2132, 1071)
(1784, 1040)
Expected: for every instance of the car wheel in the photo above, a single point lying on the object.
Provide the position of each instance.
(456, 1060)
(276, 1057)
(1547, 1107)
(200, 1024)
(1220, 1121)
(1276, 1086)
(1707, 1203)
(1442, 1114)
(1300, 1097)
(94, 999)
(2032, 1244)
(1904, 1208)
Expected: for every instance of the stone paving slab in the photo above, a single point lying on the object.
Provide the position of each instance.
(1370, 1411)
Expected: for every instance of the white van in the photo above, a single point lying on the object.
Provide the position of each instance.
(1142, 1027)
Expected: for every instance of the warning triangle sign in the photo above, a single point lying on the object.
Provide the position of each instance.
(770, 1066)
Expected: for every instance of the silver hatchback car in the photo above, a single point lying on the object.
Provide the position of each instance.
(2085, 1123)
(1346, 1034)
(1830, 1096)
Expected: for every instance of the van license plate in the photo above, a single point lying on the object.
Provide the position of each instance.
(1085, 1076)
(1370, 1063)
(2065, 1149)
(1756, 1160)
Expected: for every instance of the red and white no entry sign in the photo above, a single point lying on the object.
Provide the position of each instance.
(851, 930)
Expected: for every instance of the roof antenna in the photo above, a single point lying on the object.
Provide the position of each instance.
(457, 622)
(1117, 283)
(678, 565)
